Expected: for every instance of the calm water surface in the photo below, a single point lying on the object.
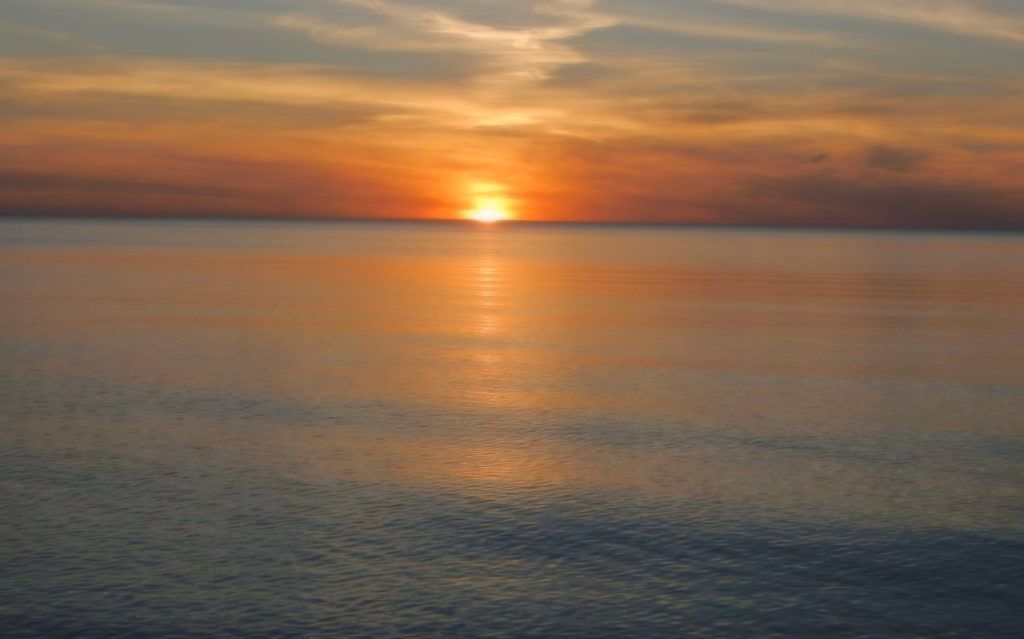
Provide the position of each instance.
(400, 430)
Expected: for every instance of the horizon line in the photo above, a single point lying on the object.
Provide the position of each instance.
(1015, 230)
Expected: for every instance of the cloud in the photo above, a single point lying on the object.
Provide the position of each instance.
(953, 16)
(143, 110)
(521, 54)
(894, 159)
(832, 200)
(286, 85)
(579, 74)
(142, 181)
(43, 40)
(13, 180)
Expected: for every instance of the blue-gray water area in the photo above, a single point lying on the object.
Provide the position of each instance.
(268, 429)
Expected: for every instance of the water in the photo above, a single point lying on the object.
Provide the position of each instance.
(400, 430)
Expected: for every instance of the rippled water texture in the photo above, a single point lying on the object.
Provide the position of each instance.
(396, 430)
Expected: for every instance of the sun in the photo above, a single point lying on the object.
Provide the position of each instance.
(488, 215)
(488, 204)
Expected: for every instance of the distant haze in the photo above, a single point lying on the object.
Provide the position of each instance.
(891, 113)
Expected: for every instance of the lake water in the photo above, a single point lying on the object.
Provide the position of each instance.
(440, 430)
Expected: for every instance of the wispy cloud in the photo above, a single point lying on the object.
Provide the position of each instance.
(513, 56)
(54, 37)
(953, 16)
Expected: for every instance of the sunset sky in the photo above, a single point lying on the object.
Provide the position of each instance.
(904, 113)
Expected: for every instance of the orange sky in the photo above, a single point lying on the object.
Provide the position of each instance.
(826, 112)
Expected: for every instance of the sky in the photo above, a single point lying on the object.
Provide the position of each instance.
(877, 113)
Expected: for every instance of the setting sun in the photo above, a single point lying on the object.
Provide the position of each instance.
(487, 215)
(489, 203)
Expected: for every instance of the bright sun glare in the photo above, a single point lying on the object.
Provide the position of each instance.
(487, 215)
(489, 203)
